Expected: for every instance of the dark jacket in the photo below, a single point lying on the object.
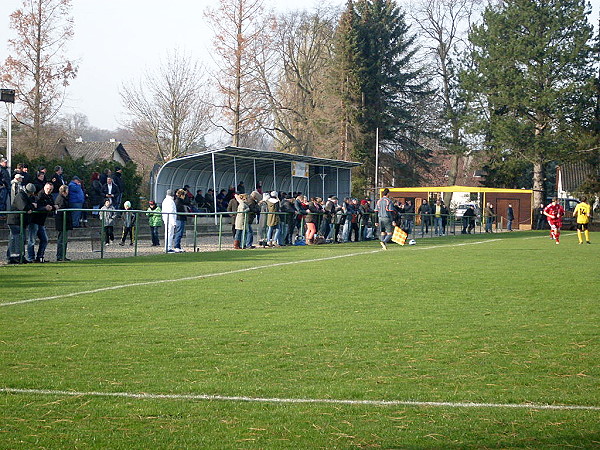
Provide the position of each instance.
(41, 215)
(115, 192)
(62, 203)
(180, 205)
(96, 194)
(313, 213)
(21, 202)
(57, 180)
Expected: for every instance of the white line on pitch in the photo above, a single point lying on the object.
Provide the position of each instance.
(143, 396)
(217, 274)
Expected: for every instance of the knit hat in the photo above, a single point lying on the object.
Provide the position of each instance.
(30, 188)
(127, 204)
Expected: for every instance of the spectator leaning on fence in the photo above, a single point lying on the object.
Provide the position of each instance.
(180, 221)
(273, 220)
(241, 219)
(37, 227)
(63, 223)
(23, 201)
(76, 199)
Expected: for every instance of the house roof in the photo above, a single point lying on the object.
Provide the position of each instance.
(97, 151)
(460, 189)
(574, 174)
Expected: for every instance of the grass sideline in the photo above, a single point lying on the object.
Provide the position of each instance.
(506, 319)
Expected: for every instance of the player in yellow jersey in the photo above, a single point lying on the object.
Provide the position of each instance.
(583, 213)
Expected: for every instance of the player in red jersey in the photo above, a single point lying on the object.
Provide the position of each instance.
(554, 213)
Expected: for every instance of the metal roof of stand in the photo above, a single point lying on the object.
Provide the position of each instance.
(219, 169)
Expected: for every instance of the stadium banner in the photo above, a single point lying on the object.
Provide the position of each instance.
(399, 236)
(300, 169)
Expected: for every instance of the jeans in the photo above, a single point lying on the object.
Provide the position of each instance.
(15, 242)
(346, 231)
(34, 231)
(154, 235)
(61, 245)
(424, 225)
(438, 228)
(179, 228)
(76, 215)
(249, 235)
(488, 224)
(283, 232)
(273, 234)
(509, 224)
(238, 235)
(3, 198)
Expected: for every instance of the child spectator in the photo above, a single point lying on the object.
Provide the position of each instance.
(155, 221)
(107, 218)
(128, 223)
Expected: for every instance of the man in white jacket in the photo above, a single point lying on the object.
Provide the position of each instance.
(169, 218)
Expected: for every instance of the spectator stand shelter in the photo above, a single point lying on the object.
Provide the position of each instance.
(276, 171)
(520, 199)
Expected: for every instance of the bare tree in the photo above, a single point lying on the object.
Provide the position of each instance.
(444, 24)
(169, 109)
(37, 66)
(292, 74)
(238, 27)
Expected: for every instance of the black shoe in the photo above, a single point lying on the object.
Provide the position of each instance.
(121, 244)
(13, 260)
(131, 243)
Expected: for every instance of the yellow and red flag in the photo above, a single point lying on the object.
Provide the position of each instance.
(399, 236)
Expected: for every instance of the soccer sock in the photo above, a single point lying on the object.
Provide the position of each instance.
(587, 235)
(552, 234)
(557, 235)
(580, 237)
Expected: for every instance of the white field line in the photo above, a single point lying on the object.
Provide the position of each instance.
(230, 272)
(146, 396)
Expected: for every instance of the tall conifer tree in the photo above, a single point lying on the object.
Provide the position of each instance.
(531, 79)
(385, 85)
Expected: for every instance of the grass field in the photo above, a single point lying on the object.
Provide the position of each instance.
(509, 322)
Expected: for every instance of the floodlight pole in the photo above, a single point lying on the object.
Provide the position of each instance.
(9, 135)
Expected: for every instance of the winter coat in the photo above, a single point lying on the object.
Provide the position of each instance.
(241, 217)
(76, 194)
(22, 202)
(62, 203)
(273, 206)
(129, 218)
(107, 216)
(96, 195)
(154, 217)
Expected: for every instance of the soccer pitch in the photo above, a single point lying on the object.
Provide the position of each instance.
(471, 341)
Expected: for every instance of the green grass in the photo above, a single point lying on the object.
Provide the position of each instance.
(513, 320)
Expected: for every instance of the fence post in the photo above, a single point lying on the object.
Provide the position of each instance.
(220, 230)
(135, 233)
(195, 232)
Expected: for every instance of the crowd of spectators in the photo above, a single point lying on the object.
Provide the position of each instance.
(41, 195)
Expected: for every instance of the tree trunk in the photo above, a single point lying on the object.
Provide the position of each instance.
(538, 183)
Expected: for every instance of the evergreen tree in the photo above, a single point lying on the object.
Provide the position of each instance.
(382, 87)
(531, 79)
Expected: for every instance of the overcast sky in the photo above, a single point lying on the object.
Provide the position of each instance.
(118, 40)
